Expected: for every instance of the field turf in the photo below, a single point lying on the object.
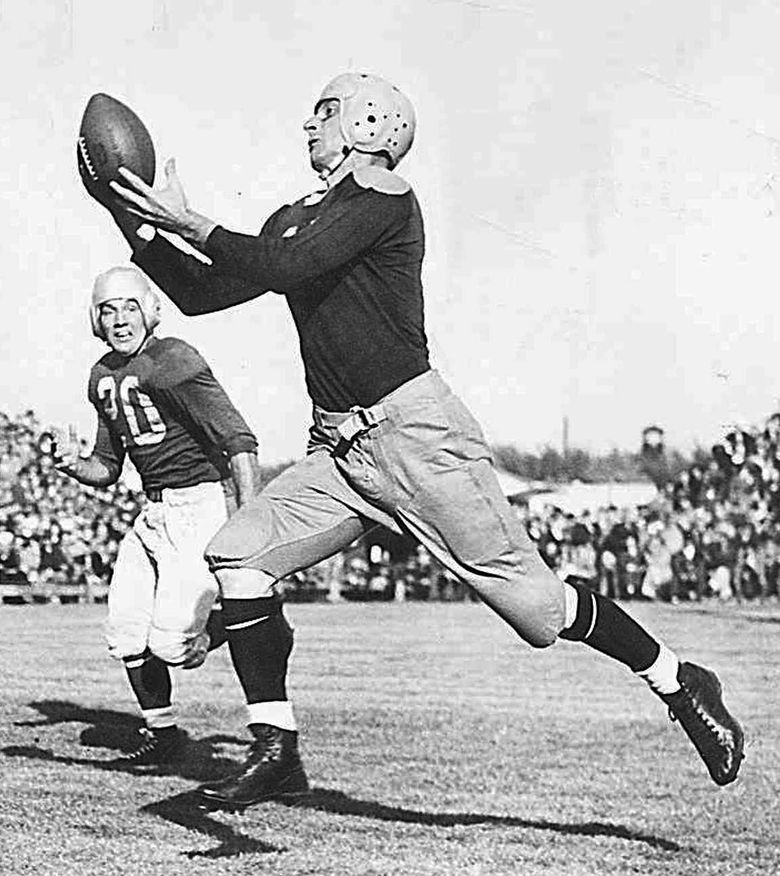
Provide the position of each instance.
(435, 741)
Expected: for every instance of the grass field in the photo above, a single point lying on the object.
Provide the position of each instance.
(435, 741)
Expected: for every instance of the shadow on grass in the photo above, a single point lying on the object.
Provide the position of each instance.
(63, 712)
(183, 810)
(112, 729)
(117, 732)
(338, 803)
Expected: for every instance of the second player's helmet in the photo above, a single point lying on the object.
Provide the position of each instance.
(127, 284)
(375, 116)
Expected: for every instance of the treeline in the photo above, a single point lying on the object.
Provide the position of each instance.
(553, 466)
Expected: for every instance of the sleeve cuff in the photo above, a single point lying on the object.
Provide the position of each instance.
(241, 444)
(211, 244)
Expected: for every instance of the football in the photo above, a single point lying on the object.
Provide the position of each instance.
(112, 136)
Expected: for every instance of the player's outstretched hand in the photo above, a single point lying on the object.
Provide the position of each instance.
(63, 447)
(165, 207)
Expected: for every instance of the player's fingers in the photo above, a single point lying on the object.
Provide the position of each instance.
(135, 181)
(128, 194)
(141, 214)
(173, 181)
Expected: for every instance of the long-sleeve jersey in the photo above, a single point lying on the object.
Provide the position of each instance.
(349, 266)
(165, 408)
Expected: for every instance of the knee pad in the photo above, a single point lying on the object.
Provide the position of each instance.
(535, 614)
(541, 636)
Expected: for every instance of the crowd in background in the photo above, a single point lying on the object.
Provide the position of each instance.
(58, 539)
(712, 532)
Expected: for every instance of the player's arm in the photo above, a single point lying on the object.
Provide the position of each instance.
(194, 287)
(284, 263)
(100, 469)
(245, 474)
(290, 264)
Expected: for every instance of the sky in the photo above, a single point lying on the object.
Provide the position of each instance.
(600, 184)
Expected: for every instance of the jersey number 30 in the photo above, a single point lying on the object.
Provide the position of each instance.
(143, 419)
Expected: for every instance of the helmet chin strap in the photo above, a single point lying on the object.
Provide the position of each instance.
(328, 172)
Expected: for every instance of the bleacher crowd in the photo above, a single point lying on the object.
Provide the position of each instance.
(712, 532)
(58, 540)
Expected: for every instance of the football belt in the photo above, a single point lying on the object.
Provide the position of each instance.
(361, 421)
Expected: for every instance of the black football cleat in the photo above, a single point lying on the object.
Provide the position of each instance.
(715, 734)
(272, 770)
(156, 750)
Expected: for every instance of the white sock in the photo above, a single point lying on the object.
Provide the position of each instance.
(662, 675)
(157, 719)
(278, 714)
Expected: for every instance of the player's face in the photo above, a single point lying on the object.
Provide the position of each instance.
(326, 144)
(123, 323)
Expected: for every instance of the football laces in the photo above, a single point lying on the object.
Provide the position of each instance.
(84, 155)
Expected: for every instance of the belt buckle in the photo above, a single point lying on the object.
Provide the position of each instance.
(349, 428)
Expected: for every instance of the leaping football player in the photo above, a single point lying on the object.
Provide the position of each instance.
(158, 402)
(390, 442)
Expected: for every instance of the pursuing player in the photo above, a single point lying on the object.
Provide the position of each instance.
(158, 401)
(390, 442)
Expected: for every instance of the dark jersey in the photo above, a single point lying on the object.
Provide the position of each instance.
(166, 410)
(349, 265)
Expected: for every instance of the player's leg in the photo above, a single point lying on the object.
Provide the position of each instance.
(306, 514)
(186, 590)
(450, 499)
(692, 693)
(215, 627)
(130, 608)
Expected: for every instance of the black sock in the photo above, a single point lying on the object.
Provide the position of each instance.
(603, 625)
(215, 627)
(260, 642)
(150, 680)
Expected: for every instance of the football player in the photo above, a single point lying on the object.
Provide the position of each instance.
(390, 442)
(158, 402)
